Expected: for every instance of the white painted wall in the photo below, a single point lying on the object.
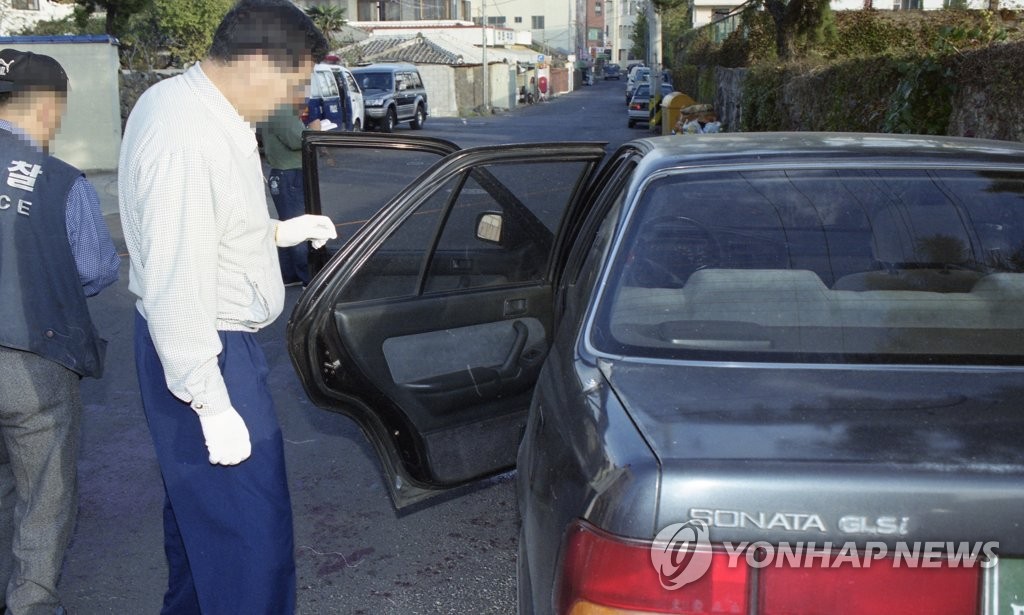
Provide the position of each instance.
(90, 135)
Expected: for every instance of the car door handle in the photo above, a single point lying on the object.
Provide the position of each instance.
(515, 307)
(510, 367)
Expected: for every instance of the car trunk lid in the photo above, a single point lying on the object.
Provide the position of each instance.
(858, 453)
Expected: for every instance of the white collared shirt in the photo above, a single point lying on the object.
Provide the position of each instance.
(198, 230)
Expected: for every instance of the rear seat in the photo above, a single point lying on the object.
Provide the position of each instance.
(797, 312)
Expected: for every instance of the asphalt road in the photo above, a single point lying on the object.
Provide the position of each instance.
(355, 554)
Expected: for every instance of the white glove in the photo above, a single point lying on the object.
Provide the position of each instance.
(307, 227)
(227, 438)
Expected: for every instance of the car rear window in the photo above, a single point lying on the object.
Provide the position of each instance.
(838, 265)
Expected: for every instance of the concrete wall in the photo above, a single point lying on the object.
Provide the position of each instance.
(134, 83)
(90, 135)
(439, 80)
(728, 101)
(464, 90)
(502, 86)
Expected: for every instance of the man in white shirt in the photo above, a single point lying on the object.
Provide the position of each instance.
(204, 267)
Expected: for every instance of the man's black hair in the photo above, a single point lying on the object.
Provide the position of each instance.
(275, 28)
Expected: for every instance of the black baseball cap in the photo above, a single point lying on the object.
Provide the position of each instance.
(24, 70)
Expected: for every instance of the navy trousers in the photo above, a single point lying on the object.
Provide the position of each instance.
(290, 202)
(227, 529)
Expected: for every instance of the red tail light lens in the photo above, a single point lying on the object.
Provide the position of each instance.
(603, 570)
(604, 574)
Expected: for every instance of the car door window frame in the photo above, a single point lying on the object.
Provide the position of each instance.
(492, 184)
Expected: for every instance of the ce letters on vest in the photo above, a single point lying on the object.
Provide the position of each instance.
(23, 207)
(20, 175)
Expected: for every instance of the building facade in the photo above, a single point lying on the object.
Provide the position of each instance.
(397, 10)
(547, 22)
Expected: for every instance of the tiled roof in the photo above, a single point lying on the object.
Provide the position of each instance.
(415, 49)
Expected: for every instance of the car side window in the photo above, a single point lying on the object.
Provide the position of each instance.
(352, 85)
(414, 80)
(395, 268)
(595, 237)
(328, 86)
(501, 227)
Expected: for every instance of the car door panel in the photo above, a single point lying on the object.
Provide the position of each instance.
(454, 328)
(432, 340)
(457, 350)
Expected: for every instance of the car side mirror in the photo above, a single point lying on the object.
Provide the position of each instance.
(489, 226)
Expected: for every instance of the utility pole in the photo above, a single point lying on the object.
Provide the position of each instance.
(654, 48)
(612, 25)
(483, 28)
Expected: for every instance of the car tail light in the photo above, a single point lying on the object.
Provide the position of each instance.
(604, 574)
(636, 107)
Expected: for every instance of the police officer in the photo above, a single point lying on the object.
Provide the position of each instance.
(55, 250)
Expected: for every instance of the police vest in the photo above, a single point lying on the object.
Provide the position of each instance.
(42, 304)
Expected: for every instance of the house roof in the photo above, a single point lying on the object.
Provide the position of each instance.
(431, 48)
(415, 49)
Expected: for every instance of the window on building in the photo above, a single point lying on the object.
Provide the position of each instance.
(518, 20)
(25, 5)
(597, 7)
(496, 21)
(537, 22)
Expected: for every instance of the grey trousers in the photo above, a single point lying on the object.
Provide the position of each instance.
(40, 410)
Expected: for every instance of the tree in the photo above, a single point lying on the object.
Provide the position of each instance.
(63, 26)
(189, 25)
(327, 18)
(640, 36)
(796, 18)
(675, 23)
(330, 19)
(118, 13)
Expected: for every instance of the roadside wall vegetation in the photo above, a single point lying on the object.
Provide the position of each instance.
(954, 72)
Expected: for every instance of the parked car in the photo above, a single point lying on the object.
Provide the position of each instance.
(639, 110)
(393, 93)
(612, 71)
(637, 75)
(808, 344)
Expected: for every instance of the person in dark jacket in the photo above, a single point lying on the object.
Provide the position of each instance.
(55, 249)
(282, 145)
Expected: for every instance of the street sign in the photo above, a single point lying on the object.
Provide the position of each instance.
(540, 59)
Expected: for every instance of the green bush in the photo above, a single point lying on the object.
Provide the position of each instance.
(762, 99)
(922, 101)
